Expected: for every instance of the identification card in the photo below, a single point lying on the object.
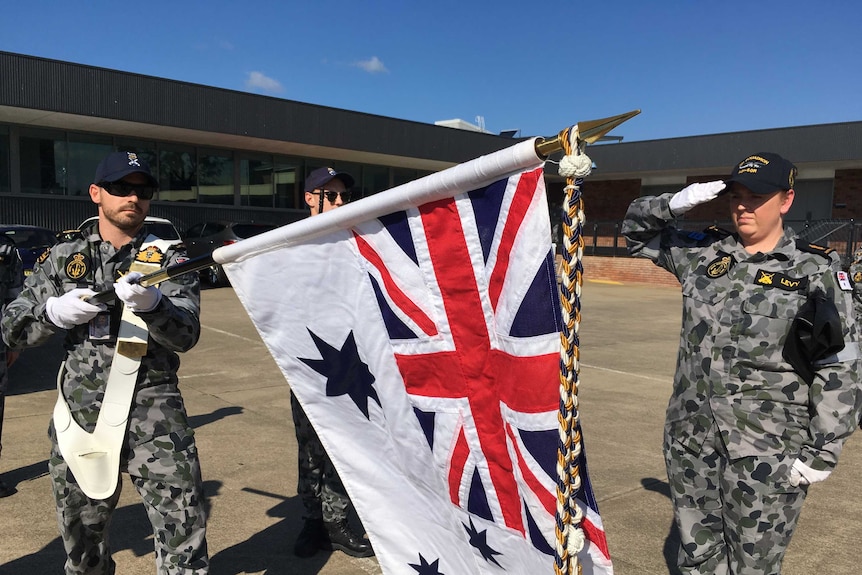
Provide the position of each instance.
(100, 327)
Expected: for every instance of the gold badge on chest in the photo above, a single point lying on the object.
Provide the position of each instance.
(719, 266)
(77, 265)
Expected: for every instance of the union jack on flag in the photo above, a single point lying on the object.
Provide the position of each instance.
(424, 347)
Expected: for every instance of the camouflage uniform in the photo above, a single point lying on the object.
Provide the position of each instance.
(739, 416)
(11, 281)
(319, 485)
(160, 456)
(856, 275)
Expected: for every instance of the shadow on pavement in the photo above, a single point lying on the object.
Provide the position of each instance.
(671, 542)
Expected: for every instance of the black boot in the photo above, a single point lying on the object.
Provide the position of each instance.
(312, 538)
(342, 537)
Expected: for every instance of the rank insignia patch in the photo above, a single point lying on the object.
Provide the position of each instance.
(150, 255)
(781, 281)
(77, 265)
(44, 256)
(844, 281)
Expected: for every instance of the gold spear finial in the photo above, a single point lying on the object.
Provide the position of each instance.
(589, 132)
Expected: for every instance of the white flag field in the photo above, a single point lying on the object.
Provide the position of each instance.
(419, 329)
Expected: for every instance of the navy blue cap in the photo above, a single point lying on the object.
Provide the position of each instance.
(764, 173)
(322, 176)
(118, 165)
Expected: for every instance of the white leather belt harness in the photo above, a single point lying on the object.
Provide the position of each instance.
(94, 458)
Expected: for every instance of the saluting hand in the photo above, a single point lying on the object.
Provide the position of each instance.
(693, 195)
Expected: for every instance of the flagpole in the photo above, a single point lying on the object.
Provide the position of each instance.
(473, 174)
(575, 165)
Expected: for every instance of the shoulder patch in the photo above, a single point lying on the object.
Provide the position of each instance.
(814, 249)
(844, 282)
(43, 256)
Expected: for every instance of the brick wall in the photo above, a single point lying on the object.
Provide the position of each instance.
(847, 190)
(625, 270)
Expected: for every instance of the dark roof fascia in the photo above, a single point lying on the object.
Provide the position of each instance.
(50, 85)
(814, 144)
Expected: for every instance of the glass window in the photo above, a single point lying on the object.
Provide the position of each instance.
(375, 179)
(195, 231)
(215, 178)
(43, 162)
(402, 176)
(84, 153)
(285, 172)
(177, 174)
(255, 181)
(5, 186)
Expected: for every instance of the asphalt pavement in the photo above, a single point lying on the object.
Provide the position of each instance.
(239, 404)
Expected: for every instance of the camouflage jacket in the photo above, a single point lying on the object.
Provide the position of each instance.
(174, 326)
(856, 276)
(11, 282)
(737, 310)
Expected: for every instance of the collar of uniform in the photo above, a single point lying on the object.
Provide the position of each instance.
(783, 251)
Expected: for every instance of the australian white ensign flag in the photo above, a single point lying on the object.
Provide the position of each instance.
(424, 347)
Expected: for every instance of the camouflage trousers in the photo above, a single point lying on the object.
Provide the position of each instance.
(4, 385)
(319, 485)
(166, 473)
(735, 516)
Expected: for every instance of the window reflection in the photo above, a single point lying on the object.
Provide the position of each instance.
(177, 174)
(215, 178)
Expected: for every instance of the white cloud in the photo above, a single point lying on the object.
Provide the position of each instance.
(373, 65)
(258, 81)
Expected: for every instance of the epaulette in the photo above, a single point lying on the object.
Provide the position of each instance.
(814, 249)
(44, 256)
(70, 235)
(712, 232)
(716, 231)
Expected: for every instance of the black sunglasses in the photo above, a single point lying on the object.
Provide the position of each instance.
(124, 189)
(331, 195)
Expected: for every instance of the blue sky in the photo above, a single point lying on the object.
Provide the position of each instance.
(692, 67)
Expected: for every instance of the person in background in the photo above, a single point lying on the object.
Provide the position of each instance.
(323, 496)
(11, 282)
(756, 414)
(158, 445)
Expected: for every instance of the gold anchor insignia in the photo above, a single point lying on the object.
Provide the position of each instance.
(77, 266)
(151, 255)
(765, 278)
(719, 267)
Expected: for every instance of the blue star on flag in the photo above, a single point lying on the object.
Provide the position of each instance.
(479, 540)
(345, 372)
(425, 568)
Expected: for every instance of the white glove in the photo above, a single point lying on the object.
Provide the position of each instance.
(70, 310)
(693, 195)
(134, 295)
(801, 474)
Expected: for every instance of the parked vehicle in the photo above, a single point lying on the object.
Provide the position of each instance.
(202, 238)
(30, 241)
(159, 227)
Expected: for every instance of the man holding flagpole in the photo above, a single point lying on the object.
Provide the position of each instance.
(323, 496)
(119, 406)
